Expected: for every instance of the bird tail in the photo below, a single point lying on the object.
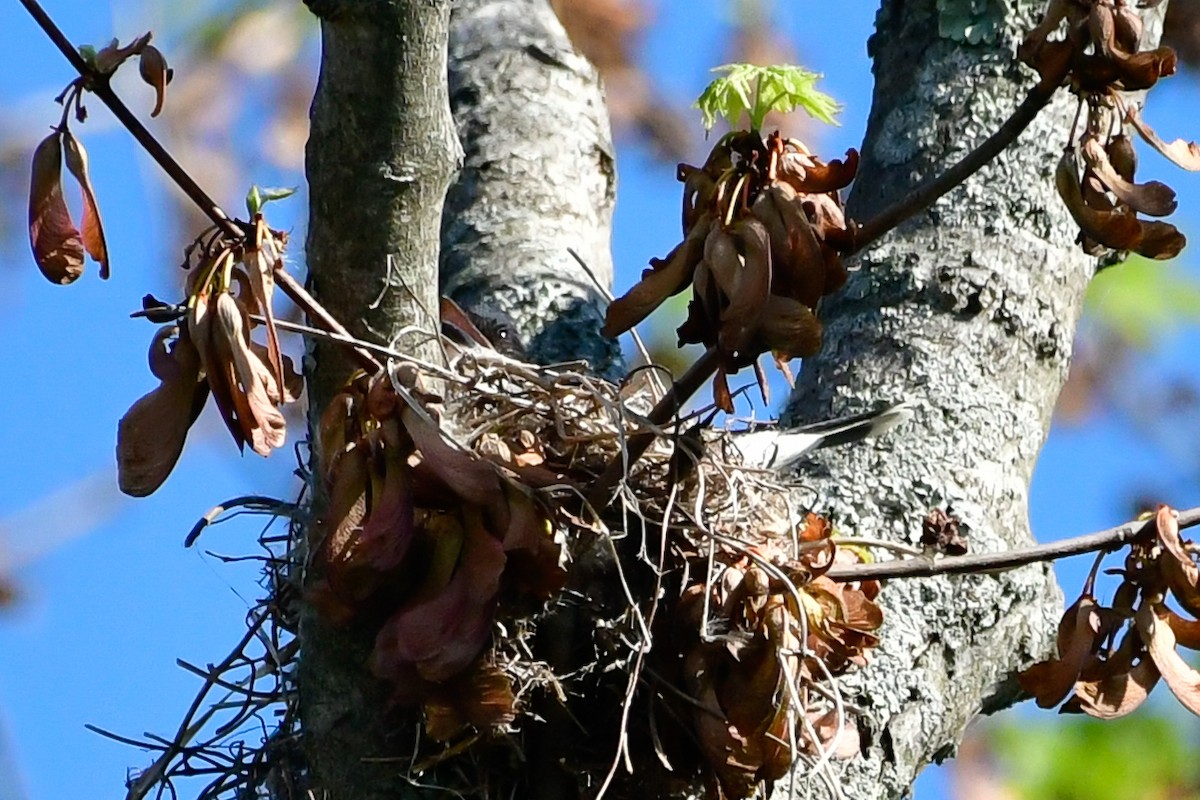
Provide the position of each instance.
(856, 427)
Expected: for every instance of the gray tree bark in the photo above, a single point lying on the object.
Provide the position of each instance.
(538, 181)
(381, 153)
(970, 310)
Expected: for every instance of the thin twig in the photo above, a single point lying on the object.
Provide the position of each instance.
(317, 312)
(98, 84)
(601, 493)
(1110, 539)
(927, 194)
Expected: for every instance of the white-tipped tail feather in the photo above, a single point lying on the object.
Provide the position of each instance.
(780, 448)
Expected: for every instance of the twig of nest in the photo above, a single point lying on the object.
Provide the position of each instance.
(456, 519)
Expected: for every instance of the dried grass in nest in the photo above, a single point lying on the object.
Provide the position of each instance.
(747, 635)
(697, 586)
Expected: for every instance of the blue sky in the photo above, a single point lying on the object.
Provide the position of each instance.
(111, 598)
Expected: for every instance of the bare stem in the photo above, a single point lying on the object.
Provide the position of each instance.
(929, 193)
(318, 313)
(1106, 540)
(97, 83)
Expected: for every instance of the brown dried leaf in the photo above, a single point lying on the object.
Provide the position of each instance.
(441, 635)
(471, 478)
(57, 246)
(798, 261)
(481, 697)
(1119, 687)
(262, 424)
(845, 746)
(200, 327)
(151, 435)
(789, 329)
(1128, 28)
(1079, 633)
(1103, 28)
(1187, 631)
(699, 194)
(1153, 198)
(1160, 240)
(720, 742)
(260, 262)
(347, 510)
(1111, 229)
(1185, 154)
(664, 278)
(337, 428)
(93, 229)
(817, 177)
(387, 533)
(1182, 680)
(1122, 156)
(747, 303)
(152, 66)
(1178, 569)
(293, 381)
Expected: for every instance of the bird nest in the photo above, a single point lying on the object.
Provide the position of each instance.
(694, 586)
(468, 522)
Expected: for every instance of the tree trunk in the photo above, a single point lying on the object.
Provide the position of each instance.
(970, 310)
(381, 153)
(538, 181)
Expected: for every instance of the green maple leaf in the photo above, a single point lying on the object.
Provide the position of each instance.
(757, 91)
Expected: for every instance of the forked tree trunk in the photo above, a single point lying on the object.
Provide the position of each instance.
(969, 309)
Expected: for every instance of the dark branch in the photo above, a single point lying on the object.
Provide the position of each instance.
(1106, 540)
(929, 193)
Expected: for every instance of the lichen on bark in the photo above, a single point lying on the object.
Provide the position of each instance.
(538, 181)
(970, 311)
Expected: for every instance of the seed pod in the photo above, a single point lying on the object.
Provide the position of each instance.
(56, 242)
(1110, 228)
(152, 66)
(747, 302)
(1122, 156)
(1153, 198)
(1128, 28)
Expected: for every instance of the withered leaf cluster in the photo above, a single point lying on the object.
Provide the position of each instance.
(1100, 56)
(152, 64)
(422, 540)
(58, 245)
(751, 647)
(1111, 657)
(210, 352)
(763, 237)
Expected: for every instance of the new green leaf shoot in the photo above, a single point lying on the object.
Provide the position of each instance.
(745, 89)
(258, 196)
